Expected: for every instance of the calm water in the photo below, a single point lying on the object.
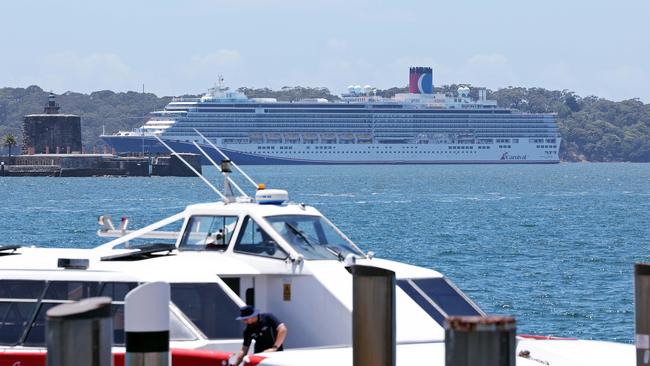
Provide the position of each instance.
(552, 245)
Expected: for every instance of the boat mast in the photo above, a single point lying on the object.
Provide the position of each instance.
(192, 168)
(227, 158)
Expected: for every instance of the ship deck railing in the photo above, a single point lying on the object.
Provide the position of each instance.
(185, 99)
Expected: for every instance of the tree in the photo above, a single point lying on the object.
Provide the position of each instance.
(9, 141)
(572, 103)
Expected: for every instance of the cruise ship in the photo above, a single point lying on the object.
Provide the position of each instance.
(418, 127)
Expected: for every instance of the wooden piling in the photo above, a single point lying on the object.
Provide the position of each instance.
(480, 341)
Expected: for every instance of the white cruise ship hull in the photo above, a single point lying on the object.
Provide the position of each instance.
(523, 152)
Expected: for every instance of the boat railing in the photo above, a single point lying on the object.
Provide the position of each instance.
(125, 236)
(186, 99)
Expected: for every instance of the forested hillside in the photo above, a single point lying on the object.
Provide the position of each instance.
(114, 111)
(592, 128)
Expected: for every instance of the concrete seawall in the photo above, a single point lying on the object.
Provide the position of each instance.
(89, 165)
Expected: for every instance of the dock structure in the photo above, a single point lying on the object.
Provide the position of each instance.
(89, 165)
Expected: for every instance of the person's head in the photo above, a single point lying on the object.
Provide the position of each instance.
(248, 314)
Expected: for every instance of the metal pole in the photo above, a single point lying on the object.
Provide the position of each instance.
(373, 316)
(80, 333)
(219, 168)
(146, 323)
(480, 341)
(226, 157)
(642, 312)
(192, 168)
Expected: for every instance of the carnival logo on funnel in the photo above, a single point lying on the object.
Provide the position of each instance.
(505, 156)
(425, 83)
(420, 80)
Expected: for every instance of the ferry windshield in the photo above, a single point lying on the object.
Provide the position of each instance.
(313, 237)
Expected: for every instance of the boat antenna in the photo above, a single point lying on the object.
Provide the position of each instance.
(220, 78)
(226, 157)
(192, 168)
(228, 179)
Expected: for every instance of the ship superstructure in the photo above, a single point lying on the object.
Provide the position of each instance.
(360, 128)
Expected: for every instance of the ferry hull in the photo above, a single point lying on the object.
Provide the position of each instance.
(146, 145)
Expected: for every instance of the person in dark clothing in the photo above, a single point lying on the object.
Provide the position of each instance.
(267, 331)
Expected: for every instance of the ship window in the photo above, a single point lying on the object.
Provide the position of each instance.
(177, 330)
(313, 236)
(117, 313)
(439, 298)
(14, 316)
(70, 290)
(208, 233)
(21, 289)
(254, 240)
(17, 317)
(447, 296)
(430, 309)
(117, 290)
(36, 333)
(209, 308)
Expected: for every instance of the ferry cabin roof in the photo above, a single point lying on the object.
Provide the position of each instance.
(287, 259)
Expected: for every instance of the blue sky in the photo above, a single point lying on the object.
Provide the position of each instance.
(175, 47)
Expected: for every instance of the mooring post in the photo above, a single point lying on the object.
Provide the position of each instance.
(80, 333)
(480, 341)
(146, 323)
(373, 316)
(642, 312)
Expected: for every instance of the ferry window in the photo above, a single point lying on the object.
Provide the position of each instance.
(422, 301)
(439, 298)
(254, 240)
(446, 296)
(28, 317)
(69, 290)
(36, 333)
(233, 283)
(177, 330)
(313, 236)
(208, 233)
(14, 317)
(117, 313)
(117, 290)
(21, 289)
(209, 308)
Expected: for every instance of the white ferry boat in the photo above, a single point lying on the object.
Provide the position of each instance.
(280, 256)
(419, 127)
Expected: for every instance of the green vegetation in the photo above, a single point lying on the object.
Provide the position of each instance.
(114, 111)
(592, 128)
(290, 94)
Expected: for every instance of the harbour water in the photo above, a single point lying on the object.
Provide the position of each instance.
(552, 245)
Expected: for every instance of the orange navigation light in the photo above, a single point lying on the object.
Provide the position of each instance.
(261, 186)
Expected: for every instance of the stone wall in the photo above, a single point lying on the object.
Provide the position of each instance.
(51, 134)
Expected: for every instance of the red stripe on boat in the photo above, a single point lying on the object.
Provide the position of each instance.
(542, 337)
(253, 360)
(180, 357)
